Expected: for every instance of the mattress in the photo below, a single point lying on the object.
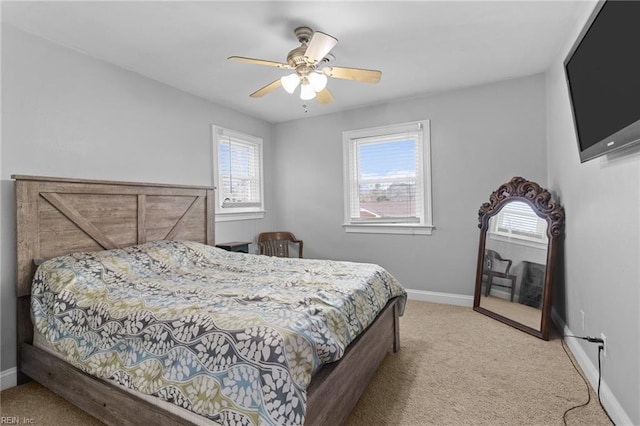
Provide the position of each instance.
(232, 337)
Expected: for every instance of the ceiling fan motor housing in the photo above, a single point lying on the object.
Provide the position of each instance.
(296, 58)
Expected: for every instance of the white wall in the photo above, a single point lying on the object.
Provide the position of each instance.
(66, 114)
(480, 138)
(602, 247)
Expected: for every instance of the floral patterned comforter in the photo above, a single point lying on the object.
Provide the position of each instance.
(230, 336)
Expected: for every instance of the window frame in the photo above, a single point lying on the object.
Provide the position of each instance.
(222, 213)
(424, 226)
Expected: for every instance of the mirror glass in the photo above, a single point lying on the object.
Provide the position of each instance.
(514, 264)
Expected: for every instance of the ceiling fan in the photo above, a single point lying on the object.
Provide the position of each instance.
(310, 71)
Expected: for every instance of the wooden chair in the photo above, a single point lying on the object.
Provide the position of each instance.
(496, 266)
(277, 243)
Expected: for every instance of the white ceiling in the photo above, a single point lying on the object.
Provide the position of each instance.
(421, 47)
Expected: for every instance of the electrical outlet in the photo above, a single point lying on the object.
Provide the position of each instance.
(604, 344)
(582, 316)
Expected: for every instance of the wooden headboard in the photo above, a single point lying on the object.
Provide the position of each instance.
(58, 216)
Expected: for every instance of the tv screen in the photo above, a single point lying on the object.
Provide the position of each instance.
(603, 77)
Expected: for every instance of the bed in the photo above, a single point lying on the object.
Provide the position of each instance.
(57, 217)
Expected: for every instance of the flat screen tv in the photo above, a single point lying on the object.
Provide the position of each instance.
(603, 76)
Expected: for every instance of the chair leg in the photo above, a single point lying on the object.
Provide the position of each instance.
(488, 287)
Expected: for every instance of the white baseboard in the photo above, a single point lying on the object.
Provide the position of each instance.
(590, 370)
(8, 378)
(437, 297)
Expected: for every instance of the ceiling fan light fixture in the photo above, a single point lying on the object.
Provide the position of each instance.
(317, 81)
(307, 92)
(290, 82)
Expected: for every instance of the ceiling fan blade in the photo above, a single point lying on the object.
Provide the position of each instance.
(324, 96)
(259, 62)
(319, 46)
(357, 74)
(266, 89)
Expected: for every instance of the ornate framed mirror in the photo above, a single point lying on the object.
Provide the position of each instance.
(520, 232)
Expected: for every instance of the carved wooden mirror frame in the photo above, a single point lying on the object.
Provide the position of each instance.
(541, 202)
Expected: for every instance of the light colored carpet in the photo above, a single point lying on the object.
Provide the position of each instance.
(459, 367)
(455, 367)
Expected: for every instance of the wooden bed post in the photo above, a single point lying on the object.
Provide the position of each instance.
(396, 328)
(28, 248)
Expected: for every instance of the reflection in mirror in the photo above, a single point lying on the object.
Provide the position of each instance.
(516, 256)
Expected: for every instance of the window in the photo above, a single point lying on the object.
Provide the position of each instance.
(388, 179)
(237, 175)
(518, 221)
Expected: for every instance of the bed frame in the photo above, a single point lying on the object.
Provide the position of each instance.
(57, 216)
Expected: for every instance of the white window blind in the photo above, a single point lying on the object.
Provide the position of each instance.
(239, 172)
(517, 219)
(387, 176)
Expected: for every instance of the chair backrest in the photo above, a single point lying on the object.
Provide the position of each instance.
(494, 262)
(277, 243)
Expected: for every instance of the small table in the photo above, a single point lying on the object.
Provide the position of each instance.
(237, 246)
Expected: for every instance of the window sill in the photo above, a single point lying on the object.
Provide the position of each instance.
(230, 217)
(372, 228)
